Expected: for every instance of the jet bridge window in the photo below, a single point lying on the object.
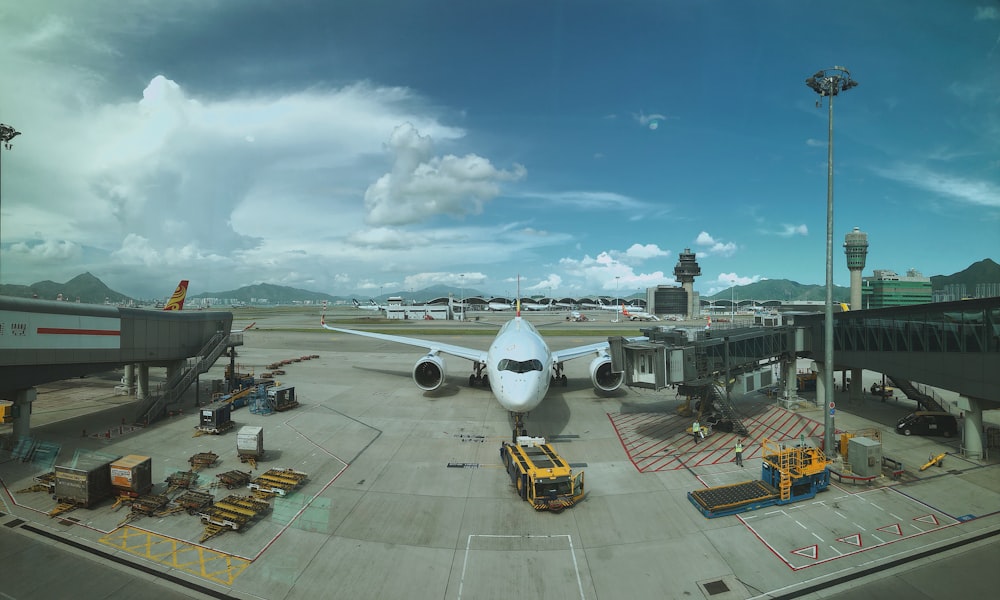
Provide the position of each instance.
(520, 366)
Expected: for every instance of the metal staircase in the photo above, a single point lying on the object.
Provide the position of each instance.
(916, 395)
(726, 409)
(154, 406)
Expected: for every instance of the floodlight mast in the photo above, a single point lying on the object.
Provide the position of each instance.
(828, 83)
(7, 133)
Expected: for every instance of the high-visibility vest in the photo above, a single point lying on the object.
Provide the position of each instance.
(739, 447)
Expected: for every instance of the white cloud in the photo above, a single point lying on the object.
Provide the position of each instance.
(421, 186)
(979, 192)
(652, 121)
(814, 143)
(584, 200)
(45, 252)
(987, 13)
(712, 247)
(724, 281)
(614, 269)
(790, 230)
(549, 284)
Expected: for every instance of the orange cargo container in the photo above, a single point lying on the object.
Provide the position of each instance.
(132, 474)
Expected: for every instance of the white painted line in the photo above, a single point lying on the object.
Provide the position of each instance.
(569, 541)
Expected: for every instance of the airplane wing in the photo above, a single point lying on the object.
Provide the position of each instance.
(432, 346)
(578, 351)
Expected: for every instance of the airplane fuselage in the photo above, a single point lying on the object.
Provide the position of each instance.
(519, 365)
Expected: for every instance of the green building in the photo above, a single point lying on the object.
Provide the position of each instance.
(886, 288)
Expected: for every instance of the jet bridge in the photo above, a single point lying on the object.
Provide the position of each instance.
(699, 357)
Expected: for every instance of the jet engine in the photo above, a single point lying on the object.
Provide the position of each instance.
(429, 372)
(603, 378)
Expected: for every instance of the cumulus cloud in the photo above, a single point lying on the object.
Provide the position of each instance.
(615, 269)
(421, 186)
(712, 247)
(45, 251)
(549, 284)
(724, 281)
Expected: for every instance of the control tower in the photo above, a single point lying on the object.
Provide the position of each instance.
(856, 249)
(686, 270)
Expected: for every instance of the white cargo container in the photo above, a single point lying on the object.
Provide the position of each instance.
(250, 442)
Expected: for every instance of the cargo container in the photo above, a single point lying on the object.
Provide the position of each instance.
(250, 442)
(282, 397)
(215, 417)
(85, 481)
(132, 475)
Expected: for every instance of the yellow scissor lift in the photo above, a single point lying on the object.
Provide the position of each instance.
(788, 474)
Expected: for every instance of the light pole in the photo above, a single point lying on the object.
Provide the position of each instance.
(7, 133)
(462, 302)
(617, 299)
(828, 83)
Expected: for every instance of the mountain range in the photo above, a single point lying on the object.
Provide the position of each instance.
(89, 289)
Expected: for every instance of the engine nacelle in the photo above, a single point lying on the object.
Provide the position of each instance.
(429, 372)
(601, 375)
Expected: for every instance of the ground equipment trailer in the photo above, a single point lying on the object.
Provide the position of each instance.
(540, 475)
(788, 474)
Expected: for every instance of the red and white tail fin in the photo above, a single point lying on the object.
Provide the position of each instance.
(625, 311)
(176, 301)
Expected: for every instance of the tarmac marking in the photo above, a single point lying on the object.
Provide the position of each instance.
(513, 543)
(894, 528)
(658, 441)
(197, 560)
(853, 539)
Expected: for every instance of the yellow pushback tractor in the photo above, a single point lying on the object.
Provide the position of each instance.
(541, 476)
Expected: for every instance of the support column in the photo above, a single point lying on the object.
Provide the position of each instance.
(821, 396)
(789, 374)
(129, 379)
(22, 408)
(142, 390)
(857, 389)
(972, 427)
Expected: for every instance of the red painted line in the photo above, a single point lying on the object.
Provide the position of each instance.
(65, 331)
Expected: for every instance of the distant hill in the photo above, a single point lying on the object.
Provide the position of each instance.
(984, 271)
(86, 288)
(273, 294)
(781, 289)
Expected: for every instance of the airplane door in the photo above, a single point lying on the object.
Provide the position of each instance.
(578, 491)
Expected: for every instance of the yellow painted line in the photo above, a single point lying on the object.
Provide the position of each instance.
(197, 560)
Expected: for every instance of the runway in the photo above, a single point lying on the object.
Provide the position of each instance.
(383, 516)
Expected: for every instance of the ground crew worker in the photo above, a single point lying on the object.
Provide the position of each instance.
(696, 430)
(738, 449)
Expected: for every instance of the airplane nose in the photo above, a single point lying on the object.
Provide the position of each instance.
(520, 392)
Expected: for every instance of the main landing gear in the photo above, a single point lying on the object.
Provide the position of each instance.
(519, 428)
(559, 377)
(479, 378)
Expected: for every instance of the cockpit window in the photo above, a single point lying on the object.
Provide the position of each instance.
(520, 366)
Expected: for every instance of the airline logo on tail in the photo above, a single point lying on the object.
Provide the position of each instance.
(176, 301)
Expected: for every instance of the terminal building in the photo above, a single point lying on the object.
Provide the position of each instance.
(886, 288)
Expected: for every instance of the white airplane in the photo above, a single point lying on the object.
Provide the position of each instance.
(536, 306)
(494, 305)
(371, 306)
(518, 367)
(635, 314)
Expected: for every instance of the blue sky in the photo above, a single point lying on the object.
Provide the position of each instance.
(361, 147)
